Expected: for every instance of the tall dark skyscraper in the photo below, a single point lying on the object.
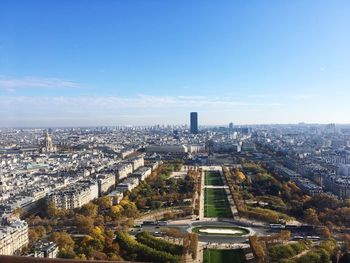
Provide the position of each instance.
(194, 122)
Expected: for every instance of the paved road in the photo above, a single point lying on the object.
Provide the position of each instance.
(185, 227)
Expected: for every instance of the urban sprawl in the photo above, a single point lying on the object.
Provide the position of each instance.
(244, 174)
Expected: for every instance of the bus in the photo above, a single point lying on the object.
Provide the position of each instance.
(162, 223)
(150, 223)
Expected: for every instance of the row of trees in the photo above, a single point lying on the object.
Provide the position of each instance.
(191, 245)
(159, 244)
(234, 189)
(196, 175)
(138, 251)
(265, 214)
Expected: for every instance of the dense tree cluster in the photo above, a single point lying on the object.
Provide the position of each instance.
(263, 186)
(98, 245)
(89, 230)
(322, 253)
(279, 252)
(266, 196)
(259, 249)
(160, 191)
(65, 243)
(138, 251)
(159, 244)
(36, 233)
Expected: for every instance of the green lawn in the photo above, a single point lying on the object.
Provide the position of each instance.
(216, 203)
(213, 178)
(223, 256)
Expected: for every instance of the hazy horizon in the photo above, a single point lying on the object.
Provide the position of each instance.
(170, 124)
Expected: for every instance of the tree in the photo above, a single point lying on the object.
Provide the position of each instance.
(104, 202)
(193, 245)
(100, 221)
(84, 224)
(325, 232)
(240, 176)
(138, 250)
(66, 254)
(51, 210)
(311, 216)
(130, 209)
(96, 244)
(259, 250)
(18, 212)
(116, 211)
(33, 236)
(158, 243)
(63, 240)
(40, 230)
(141, 203)
(323, 201)
(324, 256)
(81, 257)
(98, 255)
(97, 233)
(89, 209)
(172, 232)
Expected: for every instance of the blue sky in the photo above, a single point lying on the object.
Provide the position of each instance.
(142, 62)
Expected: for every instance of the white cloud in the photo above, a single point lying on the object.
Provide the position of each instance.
(114, 102)
(11, 84)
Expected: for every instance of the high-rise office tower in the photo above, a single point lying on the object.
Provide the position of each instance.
(194, 122)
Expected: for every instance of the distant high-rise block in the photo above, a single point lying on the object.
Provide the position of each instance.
(230, 125)
(194, 122)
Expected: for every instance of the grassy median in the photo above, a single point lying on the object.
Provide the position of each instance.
(213, 178)
(216, 203)
(219, 256)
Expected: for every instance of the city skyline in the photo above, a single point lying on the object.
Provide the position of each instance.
(249, 63)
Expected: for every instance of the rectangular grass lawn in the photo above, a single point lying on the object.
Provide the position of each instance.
(223, 256)
(216, 203)
(213, 178)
